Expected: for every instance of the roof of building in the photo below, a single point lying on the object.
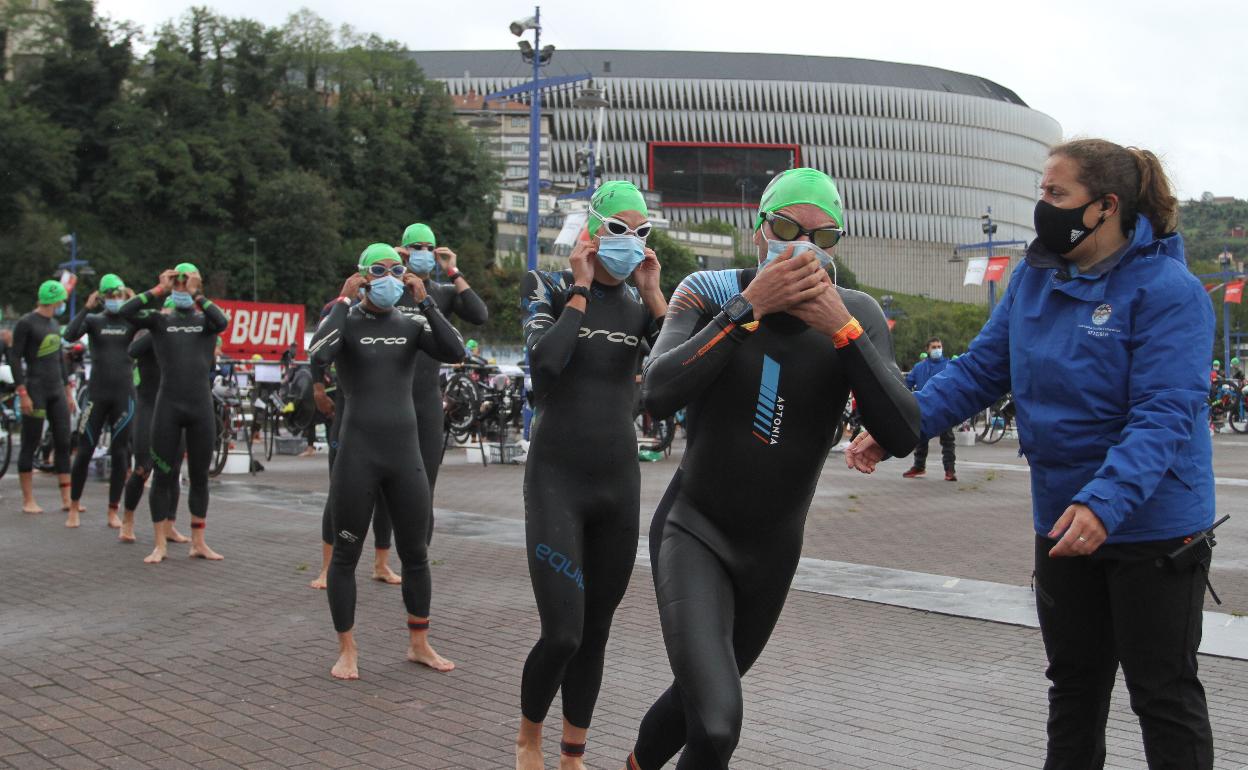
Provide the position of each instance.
(709, 65)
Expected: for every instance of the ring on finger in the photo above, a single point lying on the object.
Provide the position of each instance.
(1082, 539)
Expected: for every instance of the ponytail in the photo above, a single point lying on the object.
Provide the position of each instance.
(1136, 176)
(1155, 200)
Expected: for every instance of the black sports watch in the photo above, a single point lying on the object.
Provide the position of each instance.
(577, 291)
(425, 303)
(739, 310)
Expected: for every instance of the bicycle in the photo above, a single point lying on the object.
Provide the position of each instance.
(483, 401)
(999, 419)
(10, 421)
(849, 419)
(655, 435)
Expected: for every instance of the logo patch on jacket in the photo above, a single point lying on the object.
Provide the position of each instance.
(1101, 315)
(769, 411)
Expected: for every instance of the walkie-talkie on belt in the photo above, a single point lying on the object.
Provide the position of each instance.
(1196, 549)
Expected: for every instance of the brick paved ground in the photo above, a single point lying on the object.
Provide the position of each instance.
(106, 662)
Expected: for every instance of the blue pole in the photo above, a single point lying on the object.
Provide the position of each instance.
(1226, 331)
(992, 285)
(535, 169)
(535, 137)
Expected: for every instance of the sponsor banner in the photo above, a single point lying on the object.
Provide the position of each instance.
(996, 268)
(264, 328)
(975, 269)
(1234, 292)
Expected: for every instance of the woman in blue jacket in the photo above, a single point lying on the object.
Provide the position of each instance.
(1104, 338)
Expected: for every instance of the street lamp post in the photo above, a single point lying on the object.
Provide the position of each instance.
(989, 229)
(255, 281)
(75, 266)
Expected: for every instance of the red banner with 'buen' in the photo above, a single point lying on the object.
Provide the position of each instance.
(265, 328)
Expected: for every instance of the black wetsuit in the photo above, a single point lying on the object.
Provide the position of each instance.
(378, 452)
(383, 533)
(111, 388)
(427, 389)
(725, 541)
(185, 342)
(582, 485)
(37, 363)
(147, 385)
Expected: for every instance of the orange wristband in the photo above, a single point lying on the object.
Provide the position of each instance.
(847, 333)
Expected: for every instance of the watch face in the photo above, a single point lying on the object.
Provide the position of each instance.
(736, 307)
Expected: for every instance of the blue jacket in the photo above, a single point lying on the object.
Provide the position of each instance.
(1110, 382)
(925, 370)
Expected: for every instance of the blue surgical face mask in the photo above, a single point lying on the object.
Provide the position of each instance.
(776, 248)
(384, 292)
(421, 261)
(936, 354)
(59, 309)
(182, 300)
(621, 254)
(113, 305)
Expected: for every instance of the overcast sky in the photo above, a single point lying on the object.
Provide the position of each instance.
(1165, 76)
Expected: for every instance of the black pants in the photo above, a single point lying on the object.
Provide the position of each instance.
(581, 535)
(365, 471)
(382, 531)
(54, 407)
(177, 424)
(946, 452)
(117, 412)
(1120, 606)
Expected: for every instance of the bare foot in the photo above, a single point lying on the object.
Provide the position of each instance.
(126, 535)
(309, 452)
(383, 573)
(32, 507)
(529, 757)
(174, 536)
(72, 520)
(422, 653)
(571, 763)
(202, 551)
(156, 556)
(347, 666)
(321, 582)
(114, 521)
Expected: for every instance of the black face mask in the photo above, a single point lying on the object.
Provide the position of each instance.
(1061, 230)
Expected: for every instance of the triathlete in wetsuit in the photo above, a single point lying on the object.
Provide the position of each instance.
(455, 298)
(374, 349)
(185, 341)
(147, 386)
(40, 379)
(764, 360)
(331, 407)
(585, 330)
(111, 388)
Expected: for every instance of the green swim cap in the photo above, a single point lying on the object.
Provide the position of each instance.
(801, 185)
(52, 293)
(111, 282)
(169, 302)
(186, 267)
(612, 198)
(471, 344)
(922, 356)
(1235, 361)
(418, 233)
(378, 252)
(1216, 362)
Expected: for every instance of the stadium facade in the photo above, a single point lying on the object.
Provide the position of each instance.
(919, 153)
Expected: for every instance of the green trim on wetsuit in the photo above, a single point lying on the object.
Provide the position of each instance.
(581, 481)
(762, 408)
(37, 362)
(111, 389)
